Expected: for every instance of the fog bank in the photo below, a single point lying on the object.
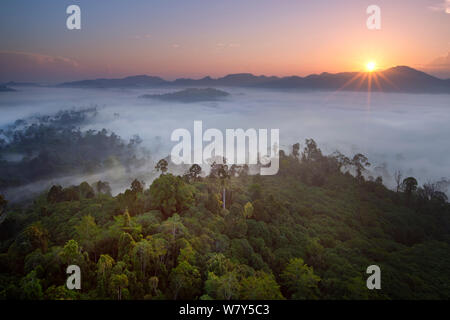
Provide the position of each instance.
(407, 132)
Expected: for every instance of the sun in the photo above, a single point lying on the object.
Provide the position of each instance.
(370, 66)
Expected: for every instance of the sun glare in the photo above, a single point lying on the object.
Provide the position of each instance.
(370, 66)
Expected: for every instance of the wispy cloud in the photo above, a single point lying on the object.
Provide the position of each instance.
(38, 58)
(439, 66)
(230, 45)
(442, 61)
(28, 65)
(443, 6)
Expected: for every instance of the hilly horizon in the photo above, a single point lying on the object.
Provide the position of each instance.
(395, 79)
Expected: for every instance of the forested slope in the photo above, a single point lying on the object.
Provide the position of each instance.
(309, 232)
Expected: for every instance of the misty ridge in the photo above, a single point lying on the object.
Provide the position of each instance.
(46, 139)
(190, 95)
(396, 79)
(48, 147)
(4, 88)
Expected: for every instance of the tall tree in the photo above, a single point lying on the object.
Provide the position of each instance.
(104, 268)
(296, 150)
(360, 161)
(409, 185)
(248, 210)
(311, 152)
(142, 256)
(171, 194)
(71, 253)
(126, 244)
(137, 186)
(162, 166)
(342, 160)
(300, 280)
(224, 176)
(119, 282)
(223, 287)
(88, 234)
(398, 179)
(194, 171)
(185, 281)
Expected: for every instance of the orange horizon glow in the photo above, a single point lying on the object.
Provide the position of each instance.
(196, 39)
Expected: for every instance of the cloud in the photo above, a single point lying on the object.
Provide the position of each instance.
(443, 61)
(230, 45)
(26, 66)
(408, 132)
(439, 67)
(441, 7)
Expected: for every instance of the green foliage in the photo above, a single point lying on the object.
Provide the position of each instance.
(307, 233)
(224, 287)
(409, 185)
(162, 166)
(119, 282)
(185, 281)
(137, 186)
(300, 280)
(60, 293)
(30, 287)
(88, 234)
(171, 194)
(261, 286)
(56, 146)
(248, 210)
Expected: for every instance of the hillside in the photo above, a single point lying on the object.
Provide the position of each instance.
(307, 233)
(190, 95)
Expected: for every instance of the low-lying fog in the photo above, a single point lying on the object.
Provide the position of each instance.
(407, 132)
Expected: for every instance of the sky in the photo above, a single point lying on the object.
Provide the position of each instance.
(196, 38)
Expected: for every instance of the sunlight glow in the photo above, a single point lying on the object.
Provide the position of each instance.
(370, 66)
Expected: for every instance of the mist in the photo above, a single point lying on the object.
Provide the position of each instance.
(406, 132)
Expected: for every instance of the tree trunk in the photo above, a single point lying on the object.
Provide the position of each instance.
(223, 197)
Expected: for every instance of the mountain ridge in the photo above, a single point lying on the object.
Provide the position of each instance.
(395, 79)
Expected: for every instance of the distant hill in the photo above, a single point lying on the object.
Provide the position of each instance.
(190, 95)
(134, 81)
(22, 84)
(396, 79)
(4, 88)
